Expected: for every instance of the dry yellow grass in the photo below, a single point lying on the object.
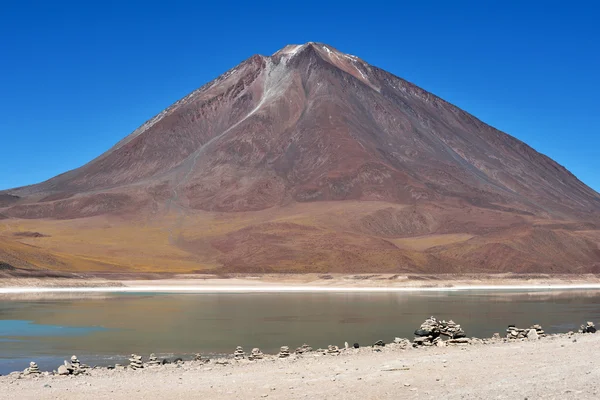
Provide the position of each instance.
(300, 237)
(422, 243)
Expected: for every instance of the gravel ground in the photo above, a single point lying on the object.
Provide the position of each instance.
(555, 367)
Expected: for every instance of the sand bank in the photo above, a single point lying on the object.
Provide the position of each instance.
(298, 283)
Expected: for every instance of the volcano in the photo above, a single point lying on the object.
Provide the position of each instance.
(309, 160)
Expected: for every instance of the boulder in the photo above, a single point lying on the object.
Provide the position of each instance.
(532, 335)
(62, 370)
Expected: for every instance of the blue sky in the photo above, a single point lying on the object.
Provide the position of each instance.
(76, 77)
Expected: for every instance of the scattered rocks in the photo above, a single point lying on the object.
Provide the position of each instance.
(199, 358)
(239, 353)
(402, 343)
(135, 362)
(435, 328)
(430, 331)
(33, 369)
(513, 332)
(423, 341)
(256, 354)
(284, 352)
(153, 361)
(589, 327)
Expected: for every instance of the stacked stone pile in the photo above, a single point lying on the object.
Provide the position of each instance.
(284, 352)
(589, 327)
(379, 343)
(303, 349)
(77, 366)
(239, 353)
(153, 361)
(33, 369)
(452, 330)
(75, 362)
(533, 333)
(135, 362)
(333, 350)
(256, 354)
(430, 331)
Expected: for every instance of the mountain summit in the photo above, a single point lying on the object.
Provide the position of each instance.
(322, 162)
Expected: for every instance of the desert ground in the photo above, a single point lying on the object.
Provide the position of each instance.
(554, 367)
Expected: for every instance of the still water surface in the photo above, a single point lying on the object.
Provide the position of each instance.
(104, 328)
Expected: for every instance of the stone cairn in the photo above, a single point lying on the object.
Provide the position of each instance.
(256, 354)
(332, 350)
(153, 361)
(77, 365)
(135, 362)
(239, 353)
(284, 352)
(589, 327)
(533, 333)
(75, 362)
(303, 349)
(198, 357)
(430, 332)
(33, 369)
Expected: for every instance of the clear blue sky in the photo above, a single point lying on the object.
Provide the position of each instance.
(76, 77)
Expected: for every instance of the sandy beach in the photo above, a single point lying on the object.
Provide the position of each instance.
(549, 368)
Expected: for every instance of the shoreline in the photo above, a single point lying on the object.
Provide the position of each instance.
(288, 289)
(560, 365)
(294, 283)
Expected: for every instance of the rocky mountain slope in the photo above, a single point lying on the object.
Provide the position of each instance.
(313, 160)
